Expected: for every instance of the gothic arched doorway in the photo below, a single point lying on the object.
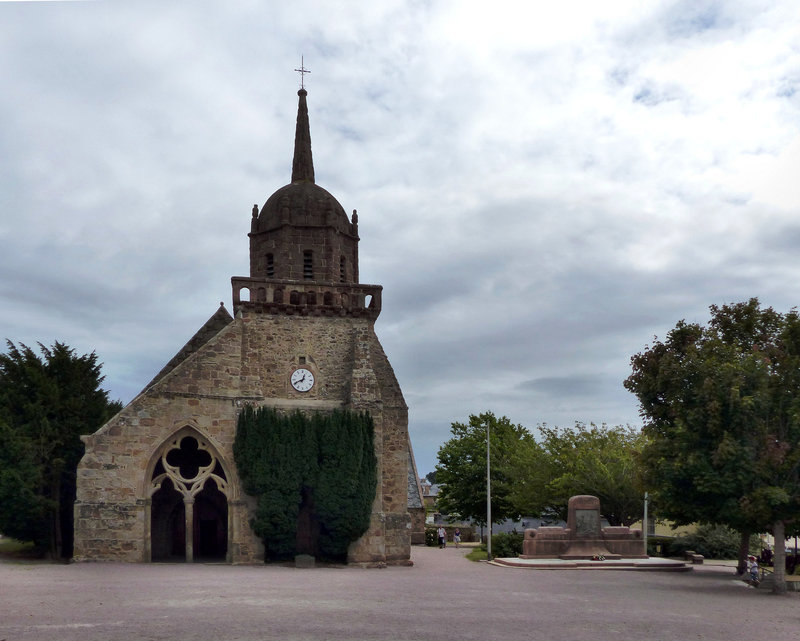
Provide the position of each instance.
(168, 524)
(189, 502)
(210, 523)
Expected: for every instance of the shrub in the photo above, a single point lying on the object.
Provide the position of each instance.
(506, 544)
(431, 538)
(712, 541)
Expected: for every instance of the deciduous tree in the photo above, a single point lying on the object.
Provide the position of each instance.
(537, 476)
(598, 460)
(721, 405)
(461, 470)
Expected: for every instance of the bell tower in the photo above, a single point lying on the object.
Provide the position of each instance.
(303, 247)
(308, 328)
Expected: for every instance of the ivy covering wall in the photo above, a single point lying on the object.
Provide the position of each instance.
(323, 464)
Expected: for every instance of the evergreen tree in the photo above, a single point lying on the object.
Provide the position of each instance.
(347, 478)
(23, 510)
(271, 468)
(46, 404)
(323, 465)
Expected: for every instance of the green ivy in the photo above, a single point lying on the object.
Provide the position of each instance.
(325, 460)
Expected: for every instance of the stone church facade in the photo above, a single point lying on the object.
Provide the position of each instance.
(158, 481)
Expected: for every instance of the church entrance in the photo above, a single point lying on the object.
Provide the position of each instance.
(211, 524)
(307, 525)
(189, 502)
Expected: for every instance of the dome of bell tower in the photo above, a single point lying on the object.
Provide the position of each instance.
(302, 231)
(302, 201)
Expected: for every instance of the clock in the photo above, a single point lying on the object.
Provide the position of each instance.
(302, 380)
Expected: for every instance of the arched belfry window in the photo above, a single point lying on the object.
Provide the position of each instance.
(189, 501)
(308, 265)
(270, 266)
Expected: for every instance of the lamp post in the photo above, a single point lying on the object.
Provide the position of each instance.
(645, 521)
(488, 497)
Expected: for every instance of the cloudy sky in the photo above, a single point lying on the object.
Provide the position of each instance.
(542, 187)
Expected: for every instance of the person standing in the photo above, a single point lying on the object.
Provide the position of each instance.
(753, 570)
(442, 534)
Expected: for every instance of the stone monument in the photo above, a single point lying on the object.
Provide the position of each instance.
(583, 538)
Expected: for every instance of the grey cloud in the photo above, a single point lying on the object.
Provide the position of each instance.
(539, 223)
(575, 386)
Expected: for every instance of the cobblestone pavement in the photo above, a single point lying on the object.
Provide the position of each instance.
(442, 597)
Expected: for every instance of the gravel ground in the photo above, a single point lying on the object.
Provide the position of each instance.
(443, 596)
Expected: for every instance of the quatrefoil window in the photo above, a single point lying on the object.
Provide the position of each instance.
(188, 458)
(188, 462)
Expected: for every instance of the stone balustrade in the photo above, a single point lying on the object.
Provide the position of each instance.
(313, 298)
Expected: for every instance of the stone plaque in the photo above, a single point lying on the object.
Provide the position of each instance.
(587, 523)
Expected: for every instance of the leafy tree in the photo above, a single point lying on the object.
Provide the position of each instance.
(461, 470)
(721, 405)
(538, 476)
(46, 403)
(602, 461)
(431, 477)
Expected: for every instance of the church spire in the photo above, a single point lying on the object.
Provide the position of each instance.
(303, 163)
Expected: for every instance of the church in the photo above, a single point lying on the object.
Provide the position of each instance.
(158, 482)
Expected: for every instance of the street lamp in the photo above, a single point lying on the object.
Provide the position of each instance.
(488, 498)
(645, 521)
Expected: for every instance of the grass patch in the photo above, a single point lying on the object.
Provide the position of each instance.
(477, 554)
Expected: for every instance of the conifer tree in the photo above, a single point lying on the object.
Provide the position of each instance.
(324, 463)
(347, 477)
(46, 403)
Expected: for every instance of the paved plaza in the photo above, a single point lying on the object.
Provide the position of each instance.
(442, 597)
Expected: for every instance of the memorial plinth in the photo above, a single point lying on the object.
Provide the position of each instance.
(583, 538)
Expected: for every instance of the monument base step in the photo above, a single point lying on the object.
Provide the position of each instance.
(649, 564)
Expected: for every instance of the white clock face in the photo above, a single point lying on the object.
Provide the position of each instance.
(302, 380)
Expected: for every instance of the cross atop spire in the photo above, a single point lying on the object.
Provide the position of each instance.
(302, 71)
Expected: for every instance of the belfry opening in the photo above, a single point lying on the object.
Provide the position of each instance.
(189, 503)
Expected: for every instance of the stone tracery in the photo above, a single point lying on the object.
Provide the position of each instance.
(188, 481)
